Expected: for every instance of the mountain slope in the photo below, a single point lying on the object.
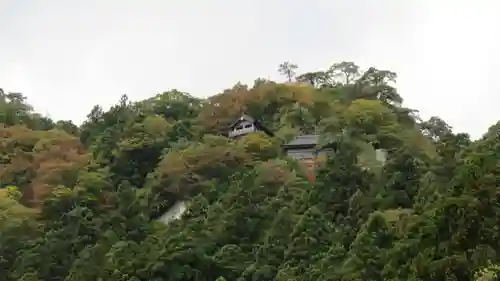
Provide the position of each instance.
(95, 193)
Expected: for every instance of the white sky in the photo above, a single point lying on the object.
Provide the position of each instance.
(67, 55)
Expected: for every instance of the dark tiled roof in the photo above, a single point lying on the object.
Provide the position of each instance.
(304, 140)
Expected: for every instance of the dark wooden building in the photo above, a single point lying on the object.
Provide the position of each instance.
(305, 149)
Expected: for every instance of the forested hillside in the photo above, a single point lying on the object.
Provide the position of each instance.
(81, 203)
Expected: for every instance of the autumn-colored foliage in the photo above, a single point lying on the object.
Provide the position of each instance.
(38, 161)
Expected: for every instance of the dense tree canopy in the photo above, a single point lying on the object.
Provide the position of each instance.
(81, 203)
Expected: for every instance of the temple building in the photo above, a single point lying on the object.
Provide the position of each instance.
(246, 125)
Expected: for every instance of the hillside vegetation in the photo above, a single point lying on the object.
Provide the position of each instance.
(82, 203)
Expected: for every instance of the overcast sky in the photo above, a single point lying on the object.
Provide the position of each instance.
(67, 55)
